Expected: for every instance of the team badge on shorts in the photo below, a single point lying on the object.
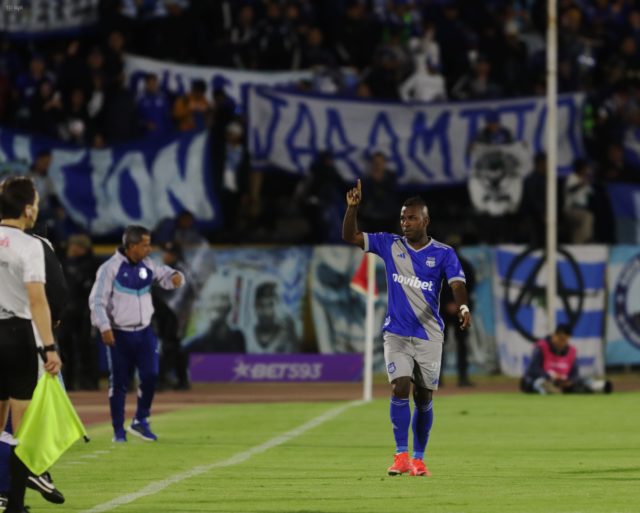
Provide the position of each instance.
(143, 274)
(431, 262)
(391, 368)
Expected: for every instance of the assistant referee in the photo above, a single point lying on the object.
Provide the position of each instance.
(23, 306)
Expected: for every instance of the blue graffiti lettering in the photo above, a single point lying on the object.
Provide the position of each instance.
(304, 127)
(520, 110)
(380, 127)
(427, 138)
(262, 150)
(341, 148)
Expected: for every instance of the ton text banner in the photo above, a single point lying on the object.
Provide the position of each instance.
(106, 189)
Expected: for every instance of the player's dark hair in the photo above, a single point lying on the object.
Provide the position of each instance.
(16, 192)
(563, 328)
(133, 235)
(414, 201)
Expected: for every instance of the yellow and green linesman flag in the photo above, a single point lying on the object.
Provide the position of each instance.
(49, 427)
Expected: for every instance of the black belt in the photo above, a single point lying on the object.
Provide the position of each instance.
(13, 321)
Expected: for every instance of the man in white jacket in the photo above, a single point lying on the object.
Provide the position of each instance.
(121, 309)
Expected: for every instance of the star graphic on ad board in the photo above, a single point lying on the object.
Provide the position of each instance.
(241, 370)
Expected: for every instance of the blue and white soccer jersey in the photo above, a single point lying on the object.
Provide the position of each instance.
(413, 329)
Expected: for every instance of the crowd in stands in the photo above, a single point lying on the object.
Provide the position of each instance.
(74, 90)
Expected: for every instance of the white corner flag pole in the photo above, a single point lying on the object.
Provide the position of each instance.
(552, 158)
(367, 392)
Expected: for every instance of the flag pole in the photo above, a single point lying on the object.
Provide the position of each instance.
(552, 150)
(367, 392)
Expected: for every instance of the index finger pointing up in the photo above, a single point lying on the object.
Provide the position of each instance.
(359, 186)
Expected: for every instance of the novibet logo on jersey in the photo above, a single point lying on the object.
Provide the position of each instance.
(413, 281)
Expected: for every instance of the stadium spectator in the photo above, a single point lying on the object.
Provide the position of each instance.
(154, 108)
(276, 42)
(45, 110)
(76, 343)
(241, 37)
(379, 209)
(172, 309)
(23, 305)
(413, 330)
(75, 125)
(392, 64)
(534, 203)
(39, 175)
(358, 34)
(449, 315)
(514, 63)
(120, 121)
(578, 198)
(193, 111)
(478, 83)
(123, 319)
(314, 52)
(320, 195)
(425, 84)
(493, 132)
(231, 177)
(615, 169)
(224, 112)
(553, 368)
(26, 86)
(454, 39)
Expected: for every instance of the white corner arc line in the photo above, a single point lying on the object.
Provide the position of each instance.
(241, 457)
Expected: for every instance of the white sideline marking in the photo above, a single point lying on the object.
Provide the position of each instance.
(241, 457)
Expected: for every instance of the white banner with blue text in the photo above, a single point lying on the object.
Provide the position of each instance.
(106, 189)
(425, 144)
(43, 18)
(177, 78)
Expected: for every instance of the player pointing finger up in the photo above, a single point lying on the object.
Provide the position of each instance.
(355, 195)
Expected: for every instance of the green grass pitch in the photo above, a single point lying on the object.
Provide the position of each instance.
(489, 453)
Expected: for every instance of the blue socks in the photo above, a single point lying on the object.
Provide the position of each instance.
(421, 424)
(400, 419)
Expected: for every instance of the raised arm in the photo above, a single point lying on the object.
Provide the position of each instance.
(459, 290)
(350, 232)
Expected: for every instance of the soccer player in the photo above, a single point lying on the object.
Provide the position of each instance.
(413, 330)
(121, 309)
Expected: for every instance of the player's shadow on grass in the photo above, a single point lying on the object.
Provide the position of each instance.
(613, 470)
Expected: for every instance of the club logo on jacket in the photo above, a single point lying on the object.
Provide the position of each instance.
(143, 274)
(431, 262)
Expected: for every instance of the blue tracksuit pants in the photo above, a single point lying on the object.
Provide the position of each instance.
(133, 349)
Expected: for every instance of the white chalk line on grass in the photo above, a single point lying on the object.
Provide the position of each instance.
(241, 457)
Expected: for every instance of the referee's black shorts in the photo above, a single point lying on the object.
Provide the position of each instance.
(18, 359)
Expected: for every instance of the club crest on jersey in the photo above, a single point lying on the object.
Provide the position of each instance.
(391, 368)
(4, 242)
(143, 274)
(431, 262)
(401, 255)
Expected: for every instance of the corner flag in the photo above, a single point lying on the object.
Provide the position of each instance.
(49, 427)
(359, 281)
